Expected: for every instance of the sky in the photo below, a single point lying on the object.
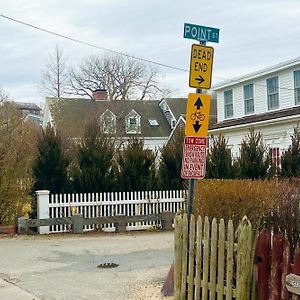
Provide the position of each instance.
(253, 35)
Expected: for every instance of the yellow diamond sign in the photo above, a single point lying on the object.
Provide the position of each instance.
(197, 115)
(201, 66)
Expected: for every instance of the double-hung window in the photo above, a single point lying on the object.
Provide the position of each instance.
(297, 86)
(248, 99)
(275, 157)
(228, 104)
(273, 94)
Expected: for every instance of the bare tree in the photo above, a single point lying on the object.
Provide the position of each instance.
(3, 96)
(124, 78)
(55, 76)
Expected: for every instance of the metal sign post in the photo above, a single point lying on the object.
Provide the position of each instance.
(192, 182)
(200, 77)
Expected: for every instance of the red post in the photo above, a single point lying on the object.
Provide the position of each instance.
(276, 272)
(168, 287)
(285, 269)
(262, 259)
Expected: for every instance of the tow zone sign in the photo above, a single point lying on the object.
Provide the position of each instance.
(194, 158)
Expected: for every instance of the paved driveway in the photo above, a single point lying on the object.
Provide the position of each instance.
(65, 266)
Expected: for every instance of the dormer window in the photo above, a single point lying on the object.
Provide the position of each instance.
(133, 122)
(108, 122)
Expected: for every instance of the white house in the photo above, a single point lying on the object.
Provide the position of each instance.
(120, 119)
(268, 100)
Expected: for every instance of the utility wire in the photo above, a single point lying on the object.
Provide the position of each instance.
(122, 53)
(92, 45)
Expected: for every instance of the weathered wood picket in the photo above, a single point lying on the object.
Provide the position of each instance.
(209, 264)
(274, 263)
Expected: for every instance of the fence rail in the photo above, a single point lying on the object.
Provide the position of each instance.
(93, 205)
(77, 222)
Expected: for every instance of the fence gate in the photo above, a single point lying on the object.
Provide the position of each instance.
(210, 262)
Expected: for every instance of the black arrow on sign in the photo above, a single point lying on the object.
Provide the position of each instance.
(197, 126)
(200, 79)
(198, 103)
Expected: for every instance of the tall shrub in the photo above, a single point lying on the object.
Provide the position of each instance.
(17, 151)
(170, 163)
(219, 162)
(254, 160)
(136, 167)
(290, 160)
(232, 199)
(50, 166)
(94, 166)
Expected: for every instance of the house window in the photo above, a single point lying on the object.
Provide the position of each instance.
(275, 157)
(248, 99)
(272, 90)
(133, 122)
(228, 104)
(108, 122)
(297, 86)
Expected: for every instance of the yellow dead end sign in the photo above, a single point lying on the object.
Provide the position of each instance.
(197, 115)
(201, 66)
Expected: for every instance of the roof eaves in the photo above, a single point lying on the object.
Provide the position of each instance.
(256, 74)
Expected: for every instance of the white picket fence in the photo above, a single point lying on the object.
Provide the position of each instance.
(107, 204)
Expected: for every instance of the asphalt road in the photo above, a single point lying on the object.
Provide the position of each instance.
(66, 266)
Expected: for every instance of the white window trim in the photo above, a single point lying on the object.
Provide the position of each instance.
(114, 122)
(231, 116)
(249, 99)
(296, 88)
(130, 115)
(277, 93)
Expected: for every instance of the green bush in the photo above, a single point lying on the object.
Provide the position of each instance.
(219, 161)
(93, 170)
(136, 167)
(170, 163)
(254, 160)
(290, 160)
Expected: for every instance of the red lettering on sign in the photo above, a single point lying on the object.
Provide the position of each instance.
(194, 158)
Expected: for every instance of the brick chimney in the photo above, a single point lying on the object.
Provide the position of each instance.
(100, 94)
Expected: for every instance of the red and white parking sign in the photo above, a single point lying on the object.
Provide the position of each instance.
(194, 158)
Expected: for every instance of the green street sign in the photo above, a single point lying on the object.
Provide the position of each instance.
(201, 33)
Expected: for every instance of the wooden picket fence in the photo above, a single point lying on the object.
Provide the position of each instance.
(211, 262)
(274, 262)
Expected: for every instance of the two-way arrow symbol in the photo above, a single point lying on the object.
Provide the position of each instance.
(197, 126)
(198, 103)
(200, 79)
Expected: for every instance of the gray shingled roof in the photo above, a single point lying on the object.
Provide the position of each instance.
(177, 106)
(27, 106)
(71, 115)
